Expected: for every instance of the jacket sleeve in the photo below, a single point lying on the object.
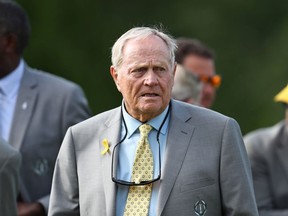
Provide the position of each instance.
(64, 199)
(235, 174)
(9, 184)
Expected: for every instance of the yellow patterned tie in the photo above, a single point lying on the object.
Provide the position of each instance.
(138, 199)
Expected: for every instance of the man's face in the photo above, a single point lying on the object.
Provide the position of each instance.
(145, 77)
(2, 54)
(202, 67)
(9, 59)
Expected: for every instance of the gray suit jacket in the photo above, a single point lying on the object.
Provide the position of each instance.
(205, 159)
(46, 106)
(268, 152)
(10, 161)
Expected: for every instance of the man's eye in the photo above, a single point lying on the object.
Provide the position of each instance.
(159, 69)
(139, 70)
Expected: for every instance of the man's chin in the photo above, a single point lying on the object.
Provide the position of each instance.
(151, 106)
(207, 103)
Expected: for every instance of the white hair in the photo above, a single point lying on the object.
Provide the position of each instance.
(140, 33)
(186, 86)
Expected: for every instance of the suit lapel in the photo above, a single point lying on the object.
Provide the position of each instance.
(111, 133)
(24, 106)
(281, 143)
(178, 140)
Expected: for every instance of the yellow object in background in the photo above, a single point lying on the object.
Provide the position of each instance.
(282, 96)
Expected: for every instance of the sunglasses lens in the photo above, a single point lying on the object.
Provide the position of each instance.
(216, 81)
(204, 79)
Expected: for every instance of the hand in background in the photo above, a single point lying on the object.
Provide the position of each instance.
(30, 209)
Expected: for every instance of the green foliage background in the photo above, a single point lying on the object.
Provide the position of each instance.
(73, 39)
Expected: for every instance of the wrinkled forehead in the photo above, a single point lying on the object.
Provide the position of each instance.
(150, 42)
(148, 47)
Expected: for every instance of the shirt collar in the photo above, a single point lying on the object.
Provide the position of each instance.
(10, 83)
(133, 124)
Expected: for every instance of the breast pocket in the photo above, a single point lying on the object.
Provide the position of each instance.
(196, 184)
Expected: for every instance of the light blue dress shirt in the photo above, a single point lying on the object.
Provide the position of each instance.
(9, 86)
(127, 152)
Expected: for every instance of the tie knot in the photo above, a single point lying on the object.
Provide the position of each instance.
(145, 129)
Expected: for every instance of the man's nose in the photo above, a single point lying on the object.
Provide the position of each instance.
(207, 87)
(150, 78)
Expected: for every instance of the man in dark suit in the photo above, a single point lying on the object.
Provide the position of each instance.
(268, 150)
(189, 160)
(36, 110)
(10, 161)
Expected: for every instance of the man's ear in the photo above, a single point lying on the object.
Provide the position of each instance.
(115, 77)
(173, 72)
(174, 69)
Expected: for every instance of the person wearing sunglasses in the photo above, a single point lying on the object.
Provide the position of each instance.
(199, 60)
(268, 149)
(152, 155)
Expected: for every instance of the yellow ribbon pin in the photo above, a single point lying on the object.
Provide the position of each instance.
(106, 147)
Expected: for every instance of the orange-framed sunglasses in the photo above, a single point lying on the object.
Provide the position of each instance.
(214, 80)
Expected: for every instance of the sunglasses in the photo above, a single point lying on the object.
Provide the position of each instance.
(214, 80)
(131, 183)
(116, 152)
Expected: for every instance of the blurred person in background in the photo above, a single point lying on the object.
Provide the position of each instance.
(187, 86)
(10, 161)
(36, 110)
(268, 152)
(199, 59)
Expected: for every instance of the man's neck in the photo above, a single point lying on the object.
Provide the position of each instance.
(6, 67)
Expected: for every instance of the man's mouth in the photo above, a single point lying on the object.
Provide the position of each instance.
(150, 95)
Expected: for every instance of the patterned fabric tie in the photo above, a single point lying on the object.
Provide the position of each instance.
(138, 199)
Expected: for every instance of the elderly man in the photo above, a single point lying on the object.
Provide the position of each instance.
(36, 109)
(152, 155)
(268, 150)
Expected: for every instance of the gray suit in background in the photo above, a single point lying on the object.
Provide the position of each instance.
(43, 108)
(10, 161)
(46, 106)
(205, 159)
(268, 152)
